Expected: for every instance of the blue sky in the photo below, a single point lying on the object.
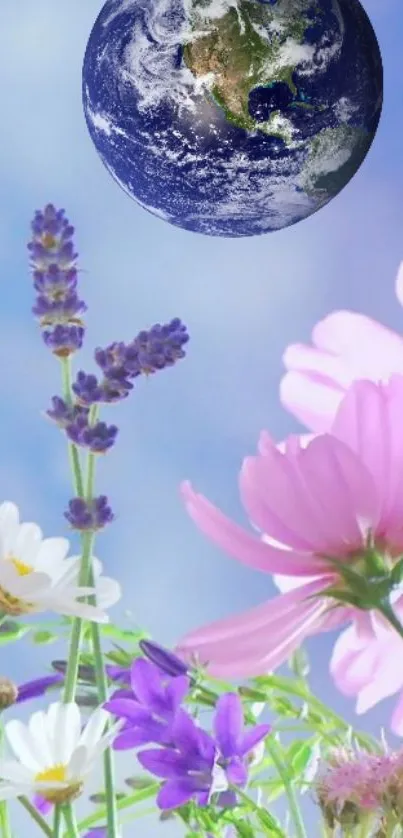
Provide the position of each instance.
(243, 301)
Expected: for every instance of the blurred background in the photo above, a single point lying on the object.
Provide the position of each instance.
(243, 301)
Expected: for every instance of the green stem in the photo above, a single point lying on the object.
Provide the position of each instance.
(71, 822)
(295, 813)
(5, 825)
(57, 822)
(78, 624)
(387, 612)
(5, 820)
(86, 578)
(36, 816)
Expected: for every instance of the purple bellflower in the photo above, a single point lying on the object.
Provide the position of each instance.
(196, 765)
(150, 708)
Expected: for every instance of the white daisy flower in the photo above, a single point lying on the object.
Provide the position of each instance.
(35, 574)
(54, 755)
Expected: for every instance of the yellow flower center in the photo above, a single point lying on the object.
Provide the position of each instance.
(56, 774)
(21, 568)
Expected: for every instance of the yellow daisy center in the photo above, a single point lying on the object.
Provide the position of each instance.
(56, 774)
(21, 568)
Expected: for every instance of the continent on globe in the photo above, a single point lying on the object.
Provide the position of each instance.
(232, 117)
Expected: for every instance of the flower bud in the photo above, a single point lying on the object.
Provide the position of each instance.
(8, 693)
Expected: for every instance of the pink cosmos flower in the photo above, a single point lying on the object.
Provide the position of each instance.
(363, 663)
(310, 503)
(346, 346)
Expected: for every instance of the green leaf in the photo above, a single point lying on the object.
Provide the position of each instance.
(128, 635)
(11, 631)
(299, 663)
(139, 782)
(43, 637)
(244, 829)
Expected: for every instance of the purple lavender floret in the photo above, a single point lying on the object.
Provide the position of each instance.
(64, 339)
(64, 414)
(99, 438)
(89, 515)
(53, 263)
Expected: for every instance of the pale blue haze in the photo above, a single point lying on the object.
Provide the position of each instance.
(243, 301)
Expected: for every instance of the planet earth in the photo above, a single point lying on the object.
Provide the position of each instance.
(232, 117)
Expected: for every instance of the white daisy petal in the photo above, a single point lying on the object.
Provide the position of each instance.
(52, 552)
(68, 731)
(20, 740)
(78, 765)
(8, 792)
(15, 772)
(94, 728)
(108, 591)
(42, 744)
(72, 608)
(27, 543)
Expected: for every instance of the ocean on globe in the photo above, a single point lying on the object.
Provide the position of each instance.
(232, 117)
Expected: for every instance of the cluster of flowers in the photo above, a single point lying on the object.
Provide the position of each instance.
(54, 755)
(328, 506)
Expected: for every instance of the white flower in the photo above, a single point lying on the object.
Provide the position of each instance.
(54, 755)
(35, 574)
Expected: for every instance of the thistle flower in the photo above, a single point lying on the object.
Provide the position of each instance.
(345, 346)
(331, 516)
(353, 784)
(53, 262)
(89, 515)
(35, 574)
(53, 756)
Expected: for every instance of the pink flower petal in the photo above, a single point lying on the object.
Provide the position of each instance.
(239, 544)
(259, 639)
(314, 501)
(399, 284)
(346, 346)
(313, 400)
(396, 723)
(369, 421)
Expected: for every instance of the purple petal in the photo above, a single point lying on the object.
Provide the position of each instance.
(42, 805)
(136, 736)
(146, 681)
(176, 691)
(163, 658)
(175, 793)
(227, 799)
(128, 709)
(228, 723)
(163, 763)
(252, 738)
(118, 673)
(37, 687)
(124, 694)
(237, 773)
(185, 733)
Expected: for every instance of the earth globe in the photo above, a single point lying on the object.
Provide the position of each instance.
(232, 117)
